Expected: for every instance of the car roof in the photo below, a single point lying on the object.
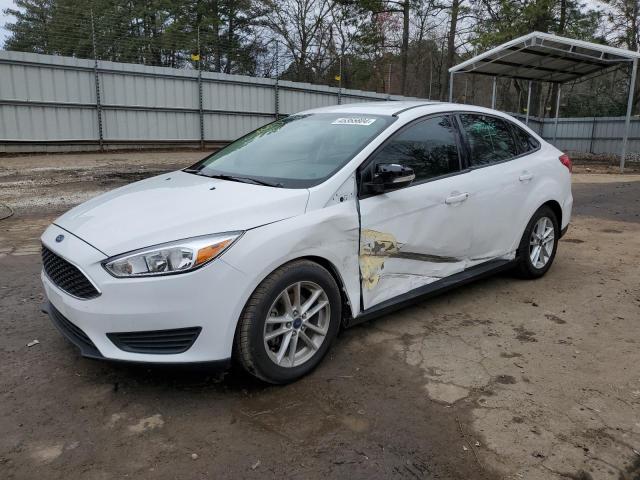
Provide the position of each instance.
(397, 108)
(409, 110)
(373, 108)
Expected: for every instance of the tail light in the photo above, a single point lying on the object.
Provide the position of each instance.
(566, 161)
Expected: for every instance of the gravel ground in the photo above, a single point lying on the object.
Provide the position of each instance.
(502, 378)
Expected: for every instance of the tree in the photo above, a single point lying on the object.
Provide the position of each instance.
(303, 26)
(31, 30)
(381, 8)
(624, 16)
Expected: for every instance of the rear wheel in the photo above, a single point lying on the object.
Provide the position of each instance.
(539, 243)
(289, 322)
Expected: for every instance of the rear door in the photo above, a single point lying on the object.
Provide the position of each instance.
(421, 233)
(501, 175)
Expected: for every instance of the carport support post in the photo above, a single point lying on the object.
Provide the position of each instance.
(627, 121)
(451, 87)
(526, 119)
(493, 93)
(555, 131)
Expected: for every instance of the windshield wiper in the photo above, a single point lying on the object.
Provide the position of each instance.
(253, 181)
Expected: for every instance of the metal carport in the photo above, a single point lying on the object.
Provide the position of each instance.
(543, 57)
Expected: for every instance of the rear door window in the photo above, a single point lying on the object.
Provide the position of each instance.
(489, 139)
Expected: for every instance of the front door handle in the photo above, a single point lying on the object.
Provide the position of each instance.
(525, 177)
(457, 198)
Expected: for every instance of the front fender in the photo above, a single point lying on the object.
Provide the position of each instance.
(331, 233)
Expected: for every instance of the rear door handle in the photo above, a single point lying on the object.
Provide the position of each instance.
(458, 198)
(525, 177)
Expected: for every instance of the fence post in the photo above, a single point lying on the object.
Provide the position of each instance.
(340, 82)
(97, 84)
(200, 102)
(200, 108)
(276, 86)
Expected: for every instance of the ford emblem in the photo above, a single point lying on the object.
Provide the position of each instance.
(59, 238)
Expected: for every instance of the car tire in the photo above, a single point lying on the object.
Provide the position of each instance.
(267, 325)
(537, 251)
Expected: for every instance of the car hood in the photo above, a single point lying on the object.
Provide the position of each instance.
(174, 206)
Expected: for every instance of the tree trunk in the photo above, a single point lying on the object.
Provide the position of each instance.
(217, 50)
(405, 47)
(451, 41)
(230, 35)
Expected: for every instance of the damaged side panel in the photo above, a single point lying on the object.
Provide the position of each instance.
(389, 270)
(411, 237)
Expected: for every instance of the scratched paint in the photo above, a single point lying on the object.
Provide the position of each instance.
(375, 248)
(387, 269)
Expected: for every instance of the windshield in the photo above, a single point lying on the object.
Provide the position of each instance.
(299, 151)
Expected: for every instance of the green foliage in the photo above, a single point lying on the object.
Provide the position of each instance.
(508, 19)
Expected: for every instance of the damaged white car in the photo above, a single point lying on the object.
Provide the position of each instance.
(323, 219)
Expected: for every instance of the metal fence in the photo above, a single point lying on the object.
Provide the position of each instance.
(596, 135)
(50, 103)
(53, 103)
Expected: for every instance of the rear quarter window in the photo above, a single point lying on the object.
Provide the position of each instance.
(524, 141)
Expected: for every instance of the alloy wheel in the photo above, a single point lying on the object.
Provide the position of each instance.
(297, 324)
(541, 242)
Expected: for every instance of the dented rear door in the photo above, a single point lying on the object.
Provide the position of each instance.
(420, 233)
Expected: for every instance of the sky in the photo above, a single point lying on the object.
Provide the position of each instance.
(4, 19)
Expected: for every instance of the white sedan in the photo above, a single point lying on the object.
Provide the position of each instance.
(262, 251)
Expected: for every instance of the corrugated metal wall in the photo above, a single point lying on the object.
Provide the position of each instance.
(49, 103)
(597, 135)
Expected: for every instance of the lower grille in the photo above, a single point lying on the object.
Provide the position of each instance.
(173, 341)
(73, 333)
(67, 276)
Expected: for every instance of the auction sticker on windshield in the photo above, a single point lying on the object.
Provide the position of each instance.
(353, 121)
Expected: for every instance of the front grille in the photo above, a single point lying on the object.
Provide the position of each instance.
(73, 333)
(156, 341)
(67, 276)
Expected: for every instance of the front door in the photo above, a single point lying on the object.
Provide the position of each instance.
(420, 233)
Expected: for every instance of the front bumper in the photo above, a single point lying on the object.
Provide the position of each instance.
(210, 298)
(89, 350)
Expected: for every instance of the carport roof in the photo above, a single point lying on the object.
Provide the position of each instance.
(547, 58)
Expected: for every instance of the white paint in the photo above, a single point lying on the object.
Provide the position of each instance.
(282, 225)
(157, 209)
(347, 192)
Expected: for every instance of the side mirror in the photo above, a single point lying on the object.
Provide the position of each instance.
(390, 176)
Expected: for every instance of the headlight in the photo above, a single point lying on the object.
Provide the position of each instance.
(170, 258)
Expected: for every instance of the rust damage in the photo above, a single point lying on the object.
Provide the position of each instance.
(376, 247)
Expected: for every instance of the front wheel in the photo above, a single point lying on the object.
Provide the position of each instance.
(539, 244)
(289, 322)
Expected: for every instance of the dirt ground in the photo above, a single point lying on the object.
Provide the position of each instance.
(500, 379)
